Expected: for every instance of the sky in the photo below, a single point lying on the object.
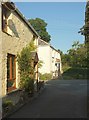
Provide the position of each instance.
(64, 20)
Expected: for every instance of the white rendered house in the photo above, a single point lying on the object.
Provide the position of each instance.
(50, 57)
(56, 62)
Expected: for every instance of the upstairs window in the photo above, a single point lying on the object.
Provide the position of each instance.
(34, 37)
(4, 18)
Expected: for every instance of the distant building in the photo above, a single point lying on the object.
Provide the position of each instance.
(51, 59)
(56, 62)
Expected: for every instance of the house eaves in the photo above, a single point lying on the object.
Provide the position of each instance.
(42, 43)
(54, 49)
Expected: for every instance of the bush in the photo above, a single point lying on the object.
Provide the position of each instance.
(29, 86)
(65, 67)
(40, 84)
(46, 76)
(75, 73)
(7, 105)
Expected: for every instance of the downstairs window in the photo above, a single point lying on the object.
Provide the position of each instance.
(11, 72)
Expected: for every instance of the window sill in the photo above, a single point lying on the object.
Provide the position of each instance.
(6, 33)
(11, 90)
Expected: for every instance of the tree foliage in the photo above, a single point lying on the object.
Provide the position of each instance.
(40, 26)
(25, 67)
(76, 56)
(40, 63)
(75, 62)
(85, 29)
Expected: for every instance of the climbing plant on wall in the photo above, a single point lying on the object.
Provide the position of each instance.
(26, 68)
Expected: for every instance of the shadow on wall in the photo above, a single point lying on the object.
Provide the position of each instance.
(12, 27)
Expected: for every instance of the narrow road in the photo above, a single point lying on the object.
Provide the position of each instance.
(60, 99)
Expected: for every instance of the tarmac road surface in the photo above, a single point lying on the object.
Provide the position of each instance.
(60, 99)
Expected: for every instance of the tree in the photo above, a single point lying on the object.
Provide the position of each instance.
(75, 56)
(78, 55)
(40, 26)
(85, 29)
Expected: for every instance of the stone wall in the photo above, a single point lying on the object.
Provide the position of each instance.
(20, 35)
(0, 67)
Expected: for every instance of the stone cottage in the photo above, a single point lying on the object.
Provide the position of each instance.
(16, 32)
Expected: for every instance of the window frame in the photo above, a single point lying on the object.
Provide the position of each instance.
(11, 72)
(4, 19)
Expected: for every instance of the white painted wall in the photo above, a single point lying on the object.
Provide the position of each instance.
(48, 55)
(55, 55)
(44, 55)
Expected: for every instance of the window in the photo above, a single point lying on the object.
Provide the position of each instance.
(11, 72)
(34, 37)
(56, 64)
(4, 19)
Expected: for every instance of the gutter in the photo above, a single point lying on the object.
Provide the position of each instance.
(55, 49)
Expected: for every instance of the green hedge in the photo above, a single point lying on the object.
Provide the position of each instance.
(76, 73)
(46, 76)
